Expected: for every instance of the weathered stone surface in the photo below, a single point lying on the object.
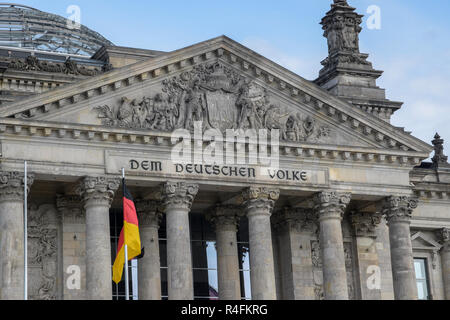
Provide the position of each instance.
(258, 204)
(225, 220)
(149, 215)
(177, 199)
(330, 207)
(444, 237)
(398, 211)
(97, 194)
(11, 234)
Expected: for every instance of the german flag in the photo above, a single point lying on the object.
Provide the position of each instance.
(128, 236)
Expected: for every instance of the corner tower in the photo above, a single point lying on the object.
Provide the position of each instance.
(346, 73)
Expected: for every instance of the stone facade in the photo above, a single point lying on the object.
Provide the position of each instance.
(350, 206)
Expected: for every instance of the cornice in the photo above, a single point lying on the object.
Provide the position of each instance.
(100, 134)
(251, 63)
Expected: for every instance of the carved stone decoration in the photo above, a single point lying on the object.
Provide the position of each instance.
(70, 67)
(179, 194)
(42, 252)
(298, 219)
(12, 185)
(261, 198)
(439, 158)
(399, 209)
(98, 189)
(342, 27)
(315, 254)
(219, 98)
(348, 253)
(149, 212)
(444, 238)
(331, 204)
(365, 223)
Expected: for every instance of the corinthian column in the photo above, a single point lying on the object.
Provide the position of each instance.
(258, 204)
(178, 198)
(149, 266)
(97, 194)
(11, 234)
(398, 211)
(330, 207)
(225, 220)
(444, 235)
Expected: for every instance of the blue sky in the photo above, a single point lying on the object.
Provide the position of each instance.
(412, 46)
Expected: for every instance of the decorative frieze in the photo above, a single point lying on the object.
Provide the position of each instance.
(365, 223)
(12, 185)
(399, 209)
(179, 195)
(42, 252)
(98, 190)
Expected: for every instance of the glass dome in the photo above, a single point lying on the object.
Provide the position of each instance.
(29, 28)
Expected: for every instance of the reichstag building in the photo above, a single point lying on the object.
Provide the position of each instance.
(351, 210)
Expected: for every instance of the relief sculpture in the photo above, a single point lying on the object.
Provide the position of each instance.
(218, 97)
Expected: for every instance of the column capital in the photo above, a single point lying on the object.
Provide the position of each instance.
(70, 208)
(225, 217)
(98, 190)
(179, 195)
(399, 208)
(12, 185)
(443, 236)
(298, 219)
(260, 199)
(149, 212)
(331, 204)
(365, 223)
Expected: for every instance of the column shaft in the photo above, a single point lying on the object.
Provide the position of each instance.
(178, 198)
(12, 235)
(444, 236)
(398, 211)
(98, 193)
(225, 220)
(330, 207)
(149, 266)
(259, 204)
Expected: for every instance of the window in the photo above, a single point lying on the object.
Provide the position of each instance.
(422, 278)
(204, 259)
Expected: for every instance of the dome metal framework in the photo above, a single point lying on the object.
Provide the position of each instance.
(29, 28)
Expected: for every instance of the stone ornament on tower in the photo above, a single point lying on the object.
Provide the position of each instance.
(439, 159)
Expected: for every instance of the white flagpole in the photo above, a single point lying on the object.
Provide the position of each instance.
(127, 282)
(25, 235)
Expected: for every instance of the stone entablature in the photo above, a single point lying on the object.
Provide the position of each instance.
(40, 129)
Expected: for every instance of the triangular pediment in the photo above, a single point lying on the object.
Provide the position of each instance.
(223, 84)
(422, 241)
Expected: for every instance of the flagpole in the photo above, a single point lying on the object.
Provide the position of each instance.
(127, 282)
(25, 235)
